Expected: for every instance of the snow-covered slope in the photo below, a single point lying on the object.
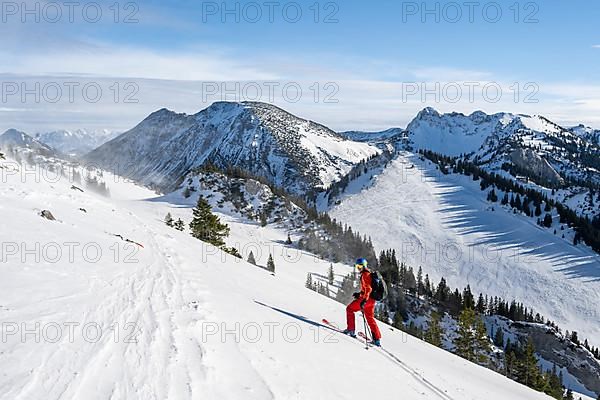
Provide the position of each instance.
(291, 152)
(445, 224)
(77, 142)
(589, 134)
(14, 139)
(176, 319)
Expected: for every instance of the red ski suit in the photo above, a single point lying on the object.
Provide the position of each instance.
(369, 308)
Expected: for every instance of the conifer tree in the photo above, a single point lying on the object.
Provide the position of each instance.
(330, 275)
(169, 220)
(548, 221)
(251, 258)
(482, 342)
(555, 387)
(428, 288)
(465, 341)
(398, 321)
(420, 284)
(434, 333)
(481, 304)
(528, 372)
(510, 362)
(499, 338)
(207, 226)
(309, 281)
(179, 225)
(289, 240)
(271, 264)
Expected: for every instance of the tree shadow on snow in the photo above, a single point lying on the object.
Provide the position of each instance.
(463, 212)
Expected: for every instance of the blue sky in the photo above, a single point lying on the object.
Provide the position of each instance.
(369, 49)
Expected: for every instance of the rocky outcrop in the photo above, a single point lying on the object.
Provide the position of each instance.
(556, 350)
(537, 167)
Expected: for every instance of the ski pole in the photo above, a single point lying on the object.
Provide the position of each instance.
(367, 331)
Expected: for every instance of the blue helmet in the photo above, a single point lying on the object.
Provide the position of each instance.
(361, 263)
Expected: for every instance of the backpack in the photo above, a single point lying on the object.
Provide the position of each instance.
(379, 288)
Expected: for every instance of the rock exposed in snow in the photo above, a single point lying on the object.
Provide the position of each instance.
(529, 160)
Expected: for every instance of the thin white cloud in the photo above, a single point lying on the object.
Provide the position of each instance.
(596, 46)
(133, 63)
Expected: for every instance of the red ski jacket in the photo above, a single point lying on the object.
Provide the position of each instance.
(365, 285)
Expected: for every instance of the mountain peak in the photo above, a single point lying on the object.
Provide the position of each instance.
(14, 133)
(428, 111)
(260, 138)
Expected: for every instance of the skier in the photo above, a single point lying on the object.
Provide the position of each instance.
(363, 302)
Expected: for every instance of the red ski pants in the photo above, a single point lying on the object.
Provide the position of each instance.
(369, 311)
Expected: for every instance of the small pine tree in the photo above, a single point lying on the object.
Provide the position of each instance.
(169, 220)
(207, 226)
(330, 275)
(528, 372)
(548, 221)
(499, 338)
(251, 258)
(465, 340)
(309, 281)
(271, 264)
(179, 225)
(482, 342)
(434, 333)
(420, 284)
(289, 240)
(510, 363)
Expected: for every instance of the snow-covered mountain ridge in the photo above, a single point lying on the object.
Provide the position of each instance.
(297, 154)
(13, 140)
(523, 140)
(77, 142)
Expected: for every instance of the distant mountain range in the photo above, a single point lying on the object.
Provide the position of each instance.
(297, 154)
(14, 139)
(77, 142)
(61, 143)
(306, 157)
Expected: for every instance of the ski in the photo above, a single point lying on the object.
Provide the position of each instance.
(358, 336)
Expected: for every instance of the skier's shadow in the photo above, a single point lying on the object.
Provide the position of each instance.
(296, 316)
